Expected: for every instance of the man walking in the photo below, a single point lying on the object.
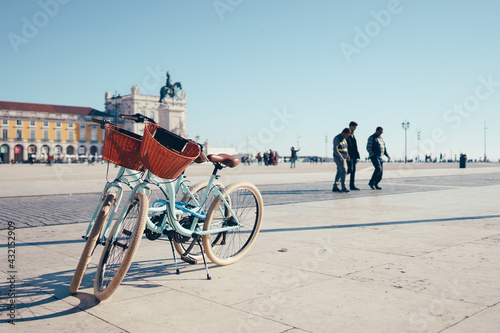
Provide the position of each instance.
(376, 149)
(341, 157)
(352, 148)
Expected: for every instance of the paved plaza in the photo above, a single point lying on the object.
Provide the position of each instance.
(421, 255)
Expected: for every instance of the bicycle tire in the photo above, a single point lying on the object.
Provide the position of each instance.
(90, 245)
(197, 190)
(119, 251)
(227, 247)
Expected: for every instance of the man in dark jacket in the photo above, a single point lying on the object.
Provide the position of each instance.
(376, 149)
(352, 147)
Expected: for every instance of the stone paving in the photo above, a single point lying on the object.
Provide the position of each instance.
(34, 211)
(422, 255)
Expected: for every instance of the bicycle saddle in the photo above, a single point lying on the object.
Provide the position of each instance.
(225, 159)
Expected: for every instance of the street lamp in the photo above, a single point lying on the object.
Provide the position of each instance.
(405, 124)
(418, 148)
(485, 128)
(117, 99)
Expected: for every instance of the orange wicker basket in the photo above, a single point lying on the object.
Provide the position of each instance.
(122, 148)
(166, 154)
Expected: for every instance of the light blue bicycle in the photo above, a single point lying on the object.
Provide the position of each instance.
(224, 232)
(129, 175)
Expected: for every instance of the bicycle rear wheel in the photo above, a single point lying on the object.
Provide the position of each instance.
(120, 250)
(227, 247)
(107, 206)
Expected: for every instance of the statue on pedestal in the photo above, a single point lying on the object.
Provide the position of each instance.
(169, 89)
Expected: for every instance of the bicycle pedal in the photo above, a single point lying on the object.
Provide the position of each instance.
(190, 260)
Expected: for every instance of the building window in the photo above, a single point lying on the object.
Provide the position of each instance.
(71, 136)
(82, 133)
(45, 123)
(58, 136)
(19, 135)
(32, 123)
(58, 124)
(45, 135)
(70, 125)
(32, 135)
(152, 116)
(5, 134)
(19, 122)
(93, 134)
(5, 122)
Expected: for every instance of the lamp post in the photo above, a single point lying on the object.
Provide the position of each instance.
(418, 140)
(117, 99)
(485, 128)
(326, 147)
(405, 124)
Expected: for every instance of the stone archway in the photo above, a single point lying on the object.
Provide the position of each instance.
(32, 153)
(82, 150)
(18, 154)
(4, 153)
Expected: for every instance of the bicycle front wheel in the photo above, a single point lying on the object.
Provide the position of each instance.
(227, 247)
(107, 206)
(120, 250)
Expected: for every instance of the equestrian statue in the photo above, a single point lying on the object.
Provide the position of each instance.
(169, 89)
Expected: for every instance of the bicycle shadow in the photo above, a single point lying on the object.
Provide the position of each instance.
(39, 298)
(47, 296)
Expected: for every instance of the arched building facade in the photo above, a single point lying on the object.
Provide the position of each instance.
(33, 132)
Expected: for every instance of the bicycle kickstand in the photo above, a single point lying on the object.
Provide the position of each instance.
(198, 240)
(177, 271)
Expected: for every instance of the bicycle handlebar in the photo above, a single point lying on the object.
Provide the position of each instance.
(138, 118)
(101, 122)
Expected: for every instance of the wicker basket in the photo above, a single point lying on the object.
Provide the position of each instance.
(166, 154)
(122, 148)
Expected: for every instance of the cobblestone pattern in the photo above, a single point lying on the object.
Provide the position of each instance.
(77, 208)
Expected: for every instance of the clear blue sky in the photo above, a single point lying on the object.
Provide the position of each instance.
(271, 74)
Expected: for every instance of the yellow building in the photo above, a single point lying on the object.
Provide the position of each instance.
(33, 132)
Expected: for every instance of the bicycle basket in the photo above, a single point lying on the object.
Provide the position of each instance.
(166, 154)
(122, 148)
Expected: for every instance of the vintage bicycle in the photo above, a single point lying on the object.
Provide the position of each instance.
(224, 232)
(121, 147)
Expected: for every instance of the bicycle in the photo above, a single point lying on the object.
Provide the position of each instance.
(116, 145)
(225, 232)
(129, 174)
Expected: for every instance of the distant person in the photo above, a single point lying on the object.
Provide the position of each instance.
(266, 158)
(293, 156)
(271, 157)
(276, 158)
(376, 149)
(352, 148)
(259, 159)
(341, 157)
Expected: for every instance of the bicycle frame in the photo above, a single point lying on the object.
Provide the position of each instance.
(173, 209)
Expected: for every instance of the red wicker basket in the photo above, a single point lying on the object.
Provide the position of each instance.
(166, 154)
(122, 148)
